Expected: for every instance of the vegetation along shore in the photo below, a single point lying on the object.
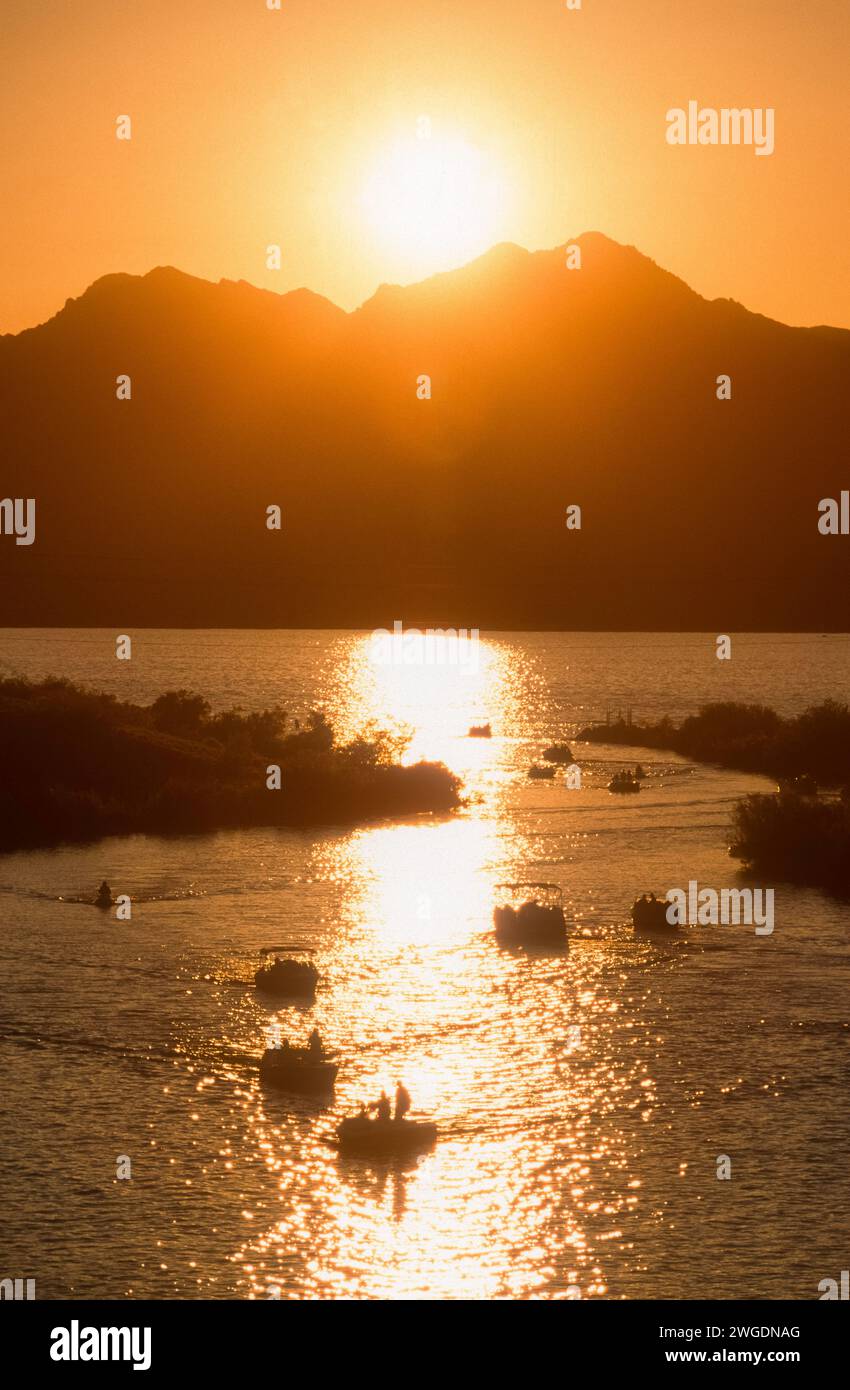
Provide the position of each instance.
(79, 764)
(799, 833)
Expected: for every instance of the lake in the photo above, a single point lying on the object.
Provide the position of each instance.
(584, 1100)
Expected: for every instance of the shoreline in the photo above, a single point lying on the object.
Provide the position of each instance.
(80, 765)
(793, 834)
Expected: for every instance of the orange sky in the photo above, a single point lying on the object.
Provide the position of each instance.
(253, 127)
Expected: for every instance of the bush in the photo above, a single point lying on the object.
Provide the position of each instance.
(178, 712)
(752, 738)
(798, 838)
(79, 764)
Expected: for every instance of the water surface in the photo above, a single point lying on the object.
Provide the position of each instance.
(583, 1099)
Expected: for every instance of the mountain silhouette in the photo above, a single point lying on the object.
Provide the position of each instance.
(550, 387)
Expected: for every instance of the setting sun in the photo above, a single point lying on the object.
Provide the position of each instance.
(434, 201)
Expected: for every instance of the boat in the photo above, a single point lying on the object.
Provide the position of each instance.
(361, 1137)
(295, 979)
(650, 915)
(298, 1069)
(541, 773)
(558, 753)
(623, 782)
(480, 731)
(537, 921)
(104, 897)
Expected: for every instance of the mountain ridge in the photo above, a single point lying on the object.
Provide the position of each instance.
(594, 239)
(548, 387)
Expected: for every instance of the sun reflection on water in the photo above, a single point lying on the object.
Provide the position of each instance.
(578, 1095)
(512, 1054)
(435, 695)
(417, 885)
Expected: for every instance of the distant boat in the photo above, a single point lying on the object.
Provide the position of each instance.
(288, 978)
(104, 897)
(541, 773)
(297, 1069)
(538, 921)
(364, 1138)
(558, 753)
(480, 731)
(623, 782)
(650, 915)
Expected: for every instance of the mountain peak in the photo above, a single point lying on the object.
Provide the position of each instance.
(548, 385)
(503, 253)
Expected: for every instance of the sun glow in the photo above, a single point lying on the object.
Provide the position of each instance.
(435, 202)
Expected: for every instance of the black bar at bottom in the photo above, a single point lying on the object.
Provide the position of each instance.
(226, 1338)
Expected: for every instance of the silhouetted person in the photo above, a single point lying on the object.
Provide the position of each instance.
(402, 1101)
(314, 1045)
(104, 895)
(382, 1105)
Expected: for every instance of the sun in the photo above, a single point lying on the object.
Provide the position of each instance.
(434, 202)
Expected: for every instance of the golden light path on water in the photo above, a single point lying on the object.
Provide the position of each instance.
(581, 1097)
(435, 689)
(469, 1029)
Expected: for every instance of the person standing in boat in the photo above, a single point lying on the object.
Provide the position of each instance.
(402, 1101)
(382, 1106)
(314, 1045)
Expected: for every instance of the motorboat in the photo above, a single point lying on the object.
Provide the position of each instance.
(480, 731)
(532, 915)
(285, 976)
(361, 1137)
(558, 753)
(623, 782)
(650, 915)
(541, 773)
(298, 1069)
(104, 897)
